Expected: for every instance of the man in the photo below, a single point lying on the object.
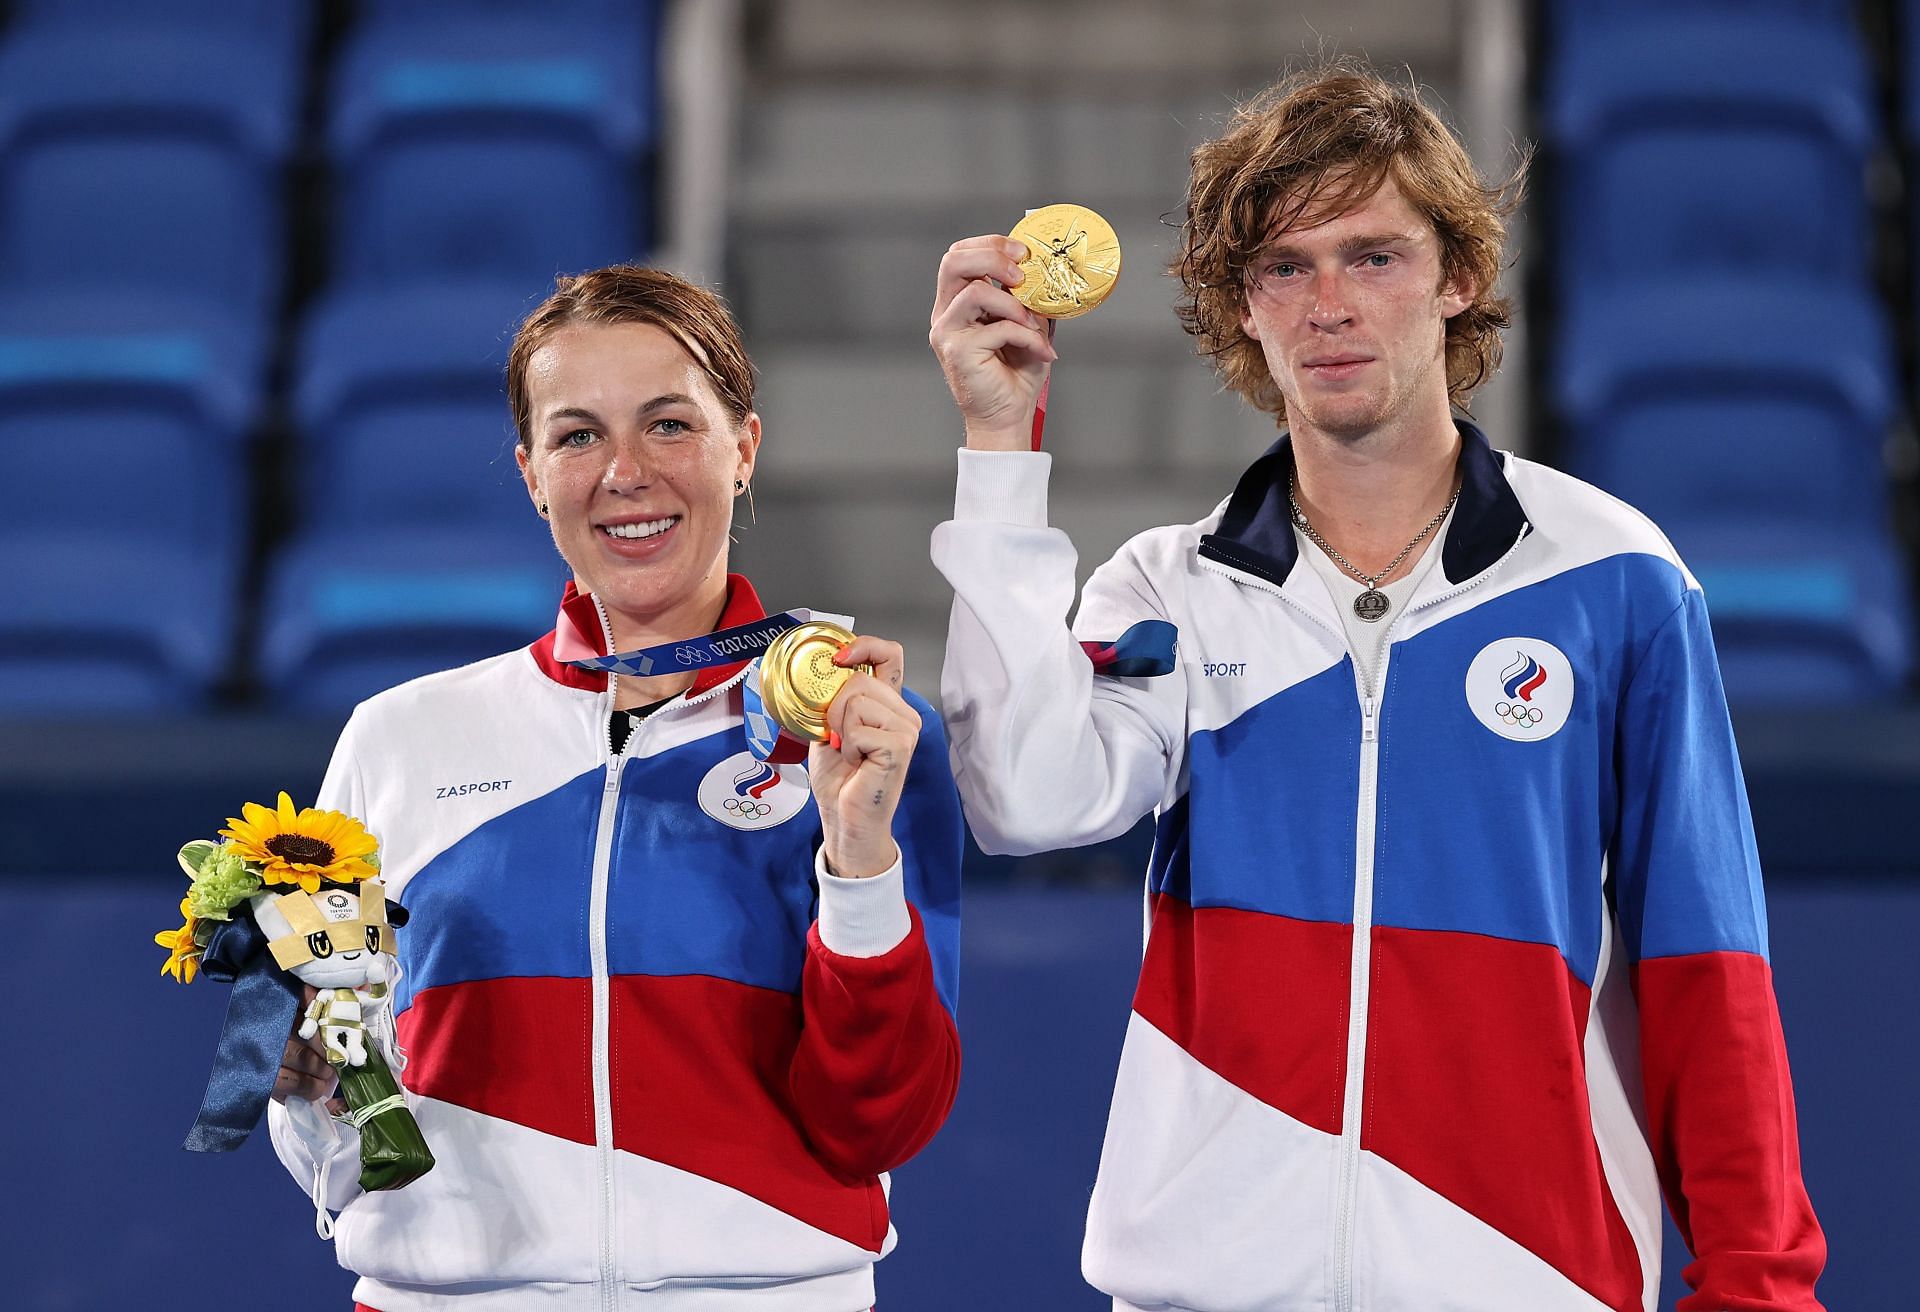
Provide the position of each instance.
(1457, 954)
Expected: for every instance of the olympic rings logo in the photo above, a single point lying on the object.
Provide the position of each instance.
(1519, 715)
(747, 809)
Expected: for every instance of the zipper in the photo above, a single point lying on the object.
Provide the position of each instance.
(602, 1077)
(1370, 687)
(602, 986)
(597, 955)
(1360, 969)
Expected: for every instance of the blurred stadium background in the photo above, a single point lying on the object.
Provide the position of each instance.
(259, 264)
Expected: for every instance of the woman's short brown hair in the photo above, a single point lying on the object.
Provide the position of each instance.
(628, 293)
(1310, 148)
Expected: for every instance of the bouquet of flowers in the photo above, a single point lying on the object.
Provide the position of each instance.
(284, 899)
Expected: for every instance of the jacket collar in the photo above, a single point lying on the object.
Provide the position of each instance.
(1255, 534)
(578, 631)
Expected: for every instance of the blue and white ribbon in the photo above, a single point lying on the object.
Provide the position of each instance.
(763, 735)
(721, 647)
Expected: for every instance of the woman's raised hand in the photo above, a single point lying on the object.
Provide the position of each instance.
(994, 350)
(857, 774)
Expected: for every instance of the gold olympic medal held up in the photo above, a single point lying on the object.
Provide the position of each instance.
(798, 678)
(1073, 260)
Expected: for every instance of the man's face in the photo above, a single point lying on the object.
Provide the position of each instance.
(1352, 317)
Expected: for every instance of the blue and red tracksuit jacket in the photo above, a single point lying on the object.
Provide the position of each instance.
(1453, 968)
(661, 1056)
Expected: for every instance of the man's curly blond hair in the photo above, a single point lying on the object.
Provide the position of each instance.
(1310, 148)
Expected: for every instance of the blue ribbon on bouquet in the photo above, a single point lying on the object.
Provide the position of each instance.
(1144, 651)
(260, 1013)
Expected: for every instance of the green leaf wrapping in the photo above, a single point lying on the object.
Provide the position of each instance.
(393, 1152)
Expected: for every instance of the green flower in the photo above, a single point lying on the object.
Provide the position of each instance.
(223, 882)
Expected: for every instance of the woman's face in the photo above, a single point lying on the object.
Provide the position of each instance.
(636, 460)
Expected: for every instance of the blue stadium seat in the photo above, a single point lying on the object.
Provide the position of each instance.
(151, 161)
(402, 410)
(100, 621)
(1803, 618)
(1907, 70)
(1600, 12)
(1710, 399)
(501, 147)
(281, 26)
(606, 12)
(1684, 147)
(352, 613)
(140, 404)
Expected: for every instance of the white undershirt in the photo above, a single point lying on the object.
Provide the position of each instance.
(1367, 640)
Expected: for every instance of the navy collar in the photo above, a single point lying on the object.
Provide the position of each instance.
(1256, 531)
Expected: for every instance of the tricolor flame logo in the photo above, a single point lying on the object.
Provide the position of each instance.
(1522, 678)
(755, 780)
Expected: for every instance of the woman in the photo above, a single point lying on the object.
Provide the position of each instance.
(670, 1011)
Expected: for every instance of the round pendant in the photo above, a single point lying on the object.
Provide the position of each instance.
(1371, 605)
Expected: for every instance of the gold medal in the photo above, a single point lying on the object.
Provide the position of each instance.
(1073, 260)
(798, 679)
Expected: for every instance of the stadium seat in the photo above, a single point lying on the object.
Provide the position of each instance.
(135, 409)
(149, 161)
(350, 614)
(402, 411)
(100, 621)
(1682, 148)
(1803, 618)
(1601, 12)
(1707, 398)
(281, 26)
(605, 12)
(503, 147)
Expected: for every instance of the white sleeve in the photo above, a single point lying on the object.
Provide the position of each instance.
(1045, 753)
(317, 1150)
(342, 789)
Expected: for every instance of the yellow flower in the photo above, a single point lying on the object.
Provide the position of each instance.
(303, 848)
(183, 954)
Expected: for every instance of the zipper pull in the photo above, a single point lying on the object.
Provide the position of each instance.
(1366, 720)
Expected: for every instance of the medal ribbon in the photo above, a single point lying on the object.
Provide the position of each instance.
(1144, 651)
(725, 647)
(1040, 402)
(765, 738)
(721, 647)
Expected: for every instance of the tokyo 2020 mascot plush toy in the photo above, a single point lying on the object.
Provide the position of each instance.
(289, 899)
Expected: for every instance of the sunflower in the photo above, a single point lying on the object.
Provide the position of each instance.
(183, 953)
(303, 848)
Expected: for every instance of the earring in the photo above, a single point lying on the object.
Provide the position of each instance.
(542, 508)
(739, 486)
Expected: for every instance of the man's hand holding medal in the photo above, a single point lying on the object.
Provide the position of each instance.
(993, 311)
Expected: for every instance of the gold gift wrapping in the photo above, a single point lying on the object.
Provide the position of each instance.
(798, 679)
(1073, 260)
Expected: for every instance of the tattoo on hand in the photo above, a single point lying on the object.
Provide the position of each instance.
(879, 796)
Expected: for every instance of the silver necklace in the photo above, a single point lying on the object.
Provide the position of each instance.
(1373, 604)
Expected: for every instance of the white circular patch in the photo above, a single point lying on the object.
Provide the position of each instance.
(1521, 688)
(746, 793)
